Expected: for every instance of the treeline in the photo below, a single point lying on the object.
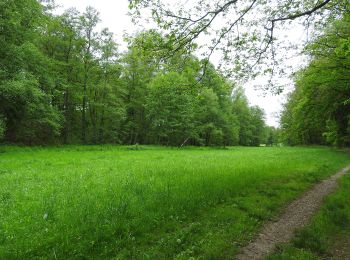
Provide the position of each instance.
(64, 81)
(318, 111)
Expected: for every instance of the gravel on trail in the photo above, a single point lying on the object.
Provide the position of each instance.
(295, 216)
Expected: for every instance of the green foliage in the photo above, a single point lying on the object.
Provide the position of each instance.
(18, 23)
(25, 101)
(291, 253)
(140, 65)
(64, 81)
(245, 53)
(32, 119)
(170, 109)
(2, 127)
(272, 136)
(209, 114)
(252, 126)
(317, 111)
(149, 202)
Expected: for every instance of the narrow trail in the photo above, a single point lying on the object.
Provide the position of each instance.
(295, 216)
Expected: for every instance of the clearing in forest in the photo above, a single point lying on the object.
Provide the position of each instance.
(150, 202)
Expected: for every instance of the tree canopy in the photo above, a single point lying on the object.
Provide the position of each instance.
(63, 80)
(245, 33)
(317, 112)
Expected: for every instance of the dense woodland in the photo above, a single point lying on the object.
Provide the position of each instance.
(318, 111)
(64, 81)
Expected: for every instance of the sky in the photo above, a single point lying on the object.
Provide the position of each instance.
(114, 16)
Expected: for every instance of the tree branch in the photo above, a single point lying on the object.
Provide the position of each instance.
(309, 12)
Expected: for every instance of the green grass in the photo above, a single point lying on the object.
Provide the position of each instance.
(328, 235)
(150, 203)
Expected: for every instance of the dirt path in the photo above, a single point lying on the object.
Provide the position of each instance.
(295, 216)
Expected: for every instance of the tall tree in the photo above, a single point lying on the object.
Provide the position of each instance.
(170, 108)
(58, 69)
(141, 64)
(88, 23)
(62, 44)
(25, 78)
(317, 112)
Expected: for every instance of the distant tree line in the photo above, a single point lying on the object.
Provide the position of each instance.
(64, 81)
(318, 111)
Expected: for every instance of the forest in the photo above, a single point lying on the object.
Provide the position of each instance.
(140, 151)
(63, 81)
(318, 110)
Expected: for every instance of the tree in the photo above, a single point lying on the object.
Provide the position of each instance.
(242, 31)
(25, 79)
(170, 109)
(58, 69)
(251, 120)
(272, 135)
(88, 24)
(61, 43)
(317, 112)
(209, 117)
(217, 124)
(141, 64)
(106, 105)
(18, 23)
(31, 119)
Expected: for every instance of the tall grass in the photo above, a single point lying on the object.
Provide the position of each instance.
(157, 203)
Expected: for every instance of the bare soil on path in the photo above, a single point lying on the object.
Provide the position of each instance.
(295, 216)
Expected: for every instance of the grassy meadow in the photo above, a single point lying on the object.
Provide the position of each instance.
(147, 203)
